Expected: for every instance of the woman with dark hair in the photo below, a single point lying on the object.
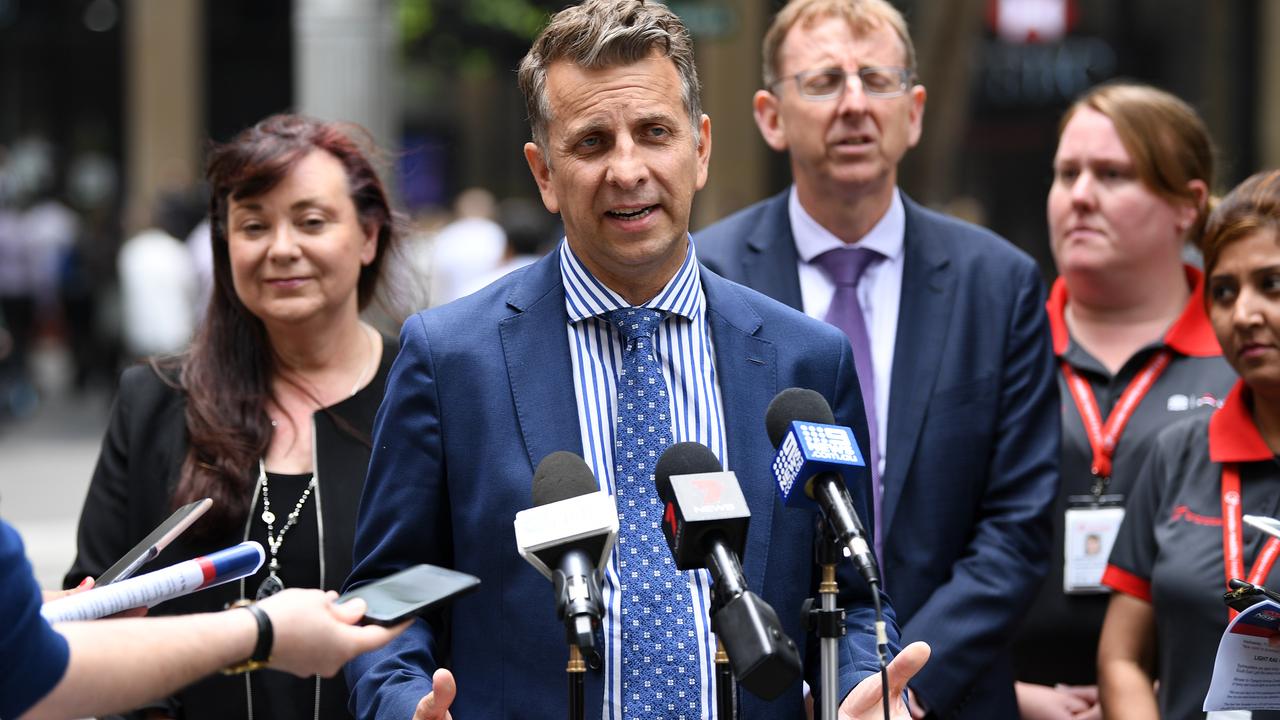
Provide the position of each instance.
(1131, 181)
(1183, 538)
(270, 410)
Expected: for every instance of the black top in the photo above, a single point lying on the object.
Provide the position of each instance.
(138, 468)
(1058, 641)
(1169, 551)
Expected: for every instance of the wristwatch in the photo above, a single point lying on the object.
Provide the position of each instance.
(266, 637)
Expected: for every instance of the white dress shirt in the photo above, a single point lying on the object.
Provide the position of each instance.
(879, 289)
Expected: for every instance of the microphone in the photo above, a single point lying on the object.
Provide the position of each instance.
(705, 524)
(814, 453)
(568, 535)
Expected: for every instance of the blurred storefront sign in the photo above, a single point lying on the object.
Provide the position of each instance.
(1031, 21)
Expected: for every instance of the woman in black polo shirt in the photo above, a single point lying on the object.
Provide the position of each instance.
(1170, 563)
(1135, 350)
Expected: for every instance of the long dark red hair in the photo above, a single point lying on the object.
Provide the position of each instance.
(226, 374)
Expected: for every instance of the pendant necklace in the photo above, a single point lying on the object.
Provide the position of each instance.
(273, 584)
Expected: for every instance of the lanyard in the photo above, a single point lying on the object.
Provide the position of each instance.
(1103, 436)
(1233, 535)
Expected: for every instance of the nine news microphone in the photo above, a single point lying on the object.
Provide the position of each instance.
(568, 535)
(812, 455)
(705, 523)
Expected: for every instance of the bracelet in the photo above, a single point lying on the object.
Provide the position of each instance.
(266, 637)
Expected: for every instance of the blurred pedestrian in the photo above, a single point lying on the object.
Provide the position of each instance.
(469, 247)
(270, 410)
(1182, 536)
(159, 288)
(1131, 183)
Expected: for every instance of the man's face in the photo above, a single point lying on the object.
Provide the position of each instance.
(850, 143)
(621, 167)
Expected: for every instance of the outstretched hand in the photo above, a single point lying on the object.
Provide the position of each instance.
(863, 703)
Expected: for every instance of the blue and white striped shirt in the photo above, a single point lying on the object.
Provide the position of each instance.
(685, 353)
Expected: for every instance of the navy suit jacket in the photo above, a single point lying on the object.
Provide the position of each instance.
(481, 392)
(971, 466)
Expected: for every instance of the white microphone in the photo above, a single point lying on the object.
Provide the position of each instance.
(568, 535)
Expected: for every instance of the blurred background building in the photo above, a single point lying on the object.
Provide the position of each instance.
(106, 108)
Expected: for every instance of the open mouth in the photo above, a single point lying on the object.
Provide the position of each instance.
(631, 214)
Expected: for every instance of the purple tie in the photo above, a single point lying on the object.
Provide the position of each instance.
(844, 267)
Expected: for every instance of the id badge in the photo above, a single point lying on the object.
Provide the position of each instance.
(1091, 530)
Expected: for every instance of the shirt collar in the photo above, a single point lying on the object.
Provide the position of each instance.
(1233, 436)
(1190, 335)
(886, 237)
(586, 297)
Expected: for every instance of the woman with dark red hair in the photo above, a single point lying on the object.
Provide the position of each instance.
(270, 410)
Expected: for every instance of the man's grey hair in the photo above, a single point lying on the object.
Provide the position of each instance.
(607, 33)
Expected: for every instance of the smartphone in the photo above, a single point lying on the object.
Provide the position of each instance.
(151, 545)
(412, 591)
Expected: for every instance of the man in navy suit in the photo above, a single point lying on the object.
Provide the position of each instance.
(486, 387)
(955, 348)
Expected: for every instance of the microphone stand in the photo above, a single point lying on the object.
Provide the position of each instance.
(576, 670)
(827, 623)
(726, 687)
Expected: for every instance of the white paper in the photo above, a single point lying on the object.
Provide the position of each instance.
(1246, 672)
(155, 587)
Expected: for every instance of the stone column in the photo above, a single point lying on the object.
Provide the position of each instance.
(164, 105)
(344, 64)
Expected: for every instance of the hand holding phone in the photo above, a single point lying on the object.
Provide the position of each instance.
(410, 592)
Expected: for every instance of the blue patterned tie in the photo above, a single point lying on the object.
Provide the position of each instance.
(660, 673)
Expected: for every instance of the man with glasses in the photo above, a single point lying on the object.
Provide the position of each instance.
(949, 337)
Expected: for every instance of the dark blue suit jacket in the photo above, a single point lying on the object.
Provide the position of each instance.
(481, 392)
(971, 467)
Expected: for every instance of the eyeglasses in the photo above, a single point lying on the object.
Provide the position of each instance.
(880, 82)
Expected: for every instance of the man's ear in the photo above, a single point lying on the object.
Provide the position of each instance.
(541, 175)
(765, 107)
(916, 96)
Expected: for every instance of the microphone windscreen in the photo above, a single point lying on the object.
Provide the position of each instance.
(560, 476)
(686, 458)
(795, 404)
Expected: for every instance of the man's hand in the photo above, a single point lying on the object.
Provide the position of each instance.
(1060, 702)
(863, 703)
(315, 636)
(435, 706)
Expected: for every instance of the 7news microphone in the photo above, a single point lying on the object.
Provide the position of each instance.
(568, 535)
(812, 455)
(705, 523)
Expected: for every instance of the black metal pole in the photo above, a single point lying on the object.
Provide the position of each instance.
(577, 671)
(726, 686)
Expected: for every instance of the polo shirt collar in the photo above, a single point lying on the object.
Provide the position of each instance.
(1190, 335)
(1233, 435)
(585, 296)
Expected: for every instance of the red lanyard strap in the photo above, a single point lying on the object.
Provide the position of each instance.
(1104, 436)
(1233, 535)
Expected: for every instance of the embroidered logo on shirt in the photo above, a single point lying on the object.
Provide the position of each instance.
(1182, 403)
(1184, 514)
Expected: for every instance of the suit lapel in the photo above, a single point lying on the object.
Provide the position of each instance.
(928, 287)
(747, 369)
(536, 348)
(770, 261)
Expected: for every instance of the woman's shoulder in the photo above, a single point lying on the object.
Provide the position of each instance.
(150, 385)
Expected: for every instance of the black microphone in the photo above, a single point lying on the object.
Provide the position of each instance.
(568, 535)
(812, 452)
(705, 523)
